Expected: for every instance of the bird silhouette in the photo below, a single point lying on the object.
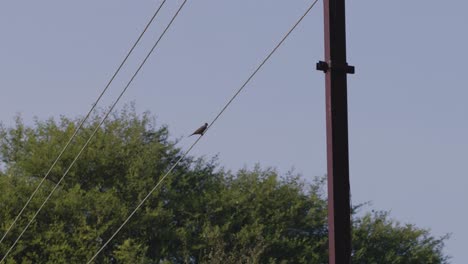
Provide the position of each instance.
(200, 130)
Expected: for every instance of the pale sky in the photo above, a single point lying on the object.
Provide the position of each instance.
(407, 109)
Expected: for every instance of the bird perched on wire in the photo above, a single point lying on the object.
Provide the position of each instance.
(200, 130)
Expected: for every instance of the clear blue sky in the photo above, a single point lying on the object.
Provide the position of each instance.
(407, 103)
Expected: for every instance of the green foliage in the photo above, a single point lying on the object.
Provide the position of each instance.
(131, 252)
(375, 233)
(201, 214)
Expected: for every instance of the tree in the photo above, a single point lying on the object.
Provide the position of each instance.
(375, 233)
(201, 213)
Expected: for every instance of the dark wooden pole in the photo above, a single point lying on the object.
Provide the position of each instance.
(336, 70)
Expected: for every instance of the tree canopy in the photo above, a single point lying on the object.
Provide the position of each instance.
(201, 213)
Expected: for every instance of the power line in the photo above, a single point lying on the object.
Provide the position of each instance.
(144, 199)
(199, 138)
(263, 62)
(96, 129)
(82, 122)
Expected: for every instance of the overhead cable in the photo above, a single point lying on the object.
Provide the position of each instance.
(196, 142)
(82, 122)
(96, 129)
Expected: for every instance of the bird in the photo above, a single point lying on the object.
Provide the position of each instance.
(200, 130)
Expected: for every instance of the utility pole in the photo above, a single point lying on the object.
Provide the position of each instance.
(336, 69)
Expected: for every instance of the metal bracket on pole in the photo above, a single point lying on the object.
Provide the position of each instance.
(324, 66)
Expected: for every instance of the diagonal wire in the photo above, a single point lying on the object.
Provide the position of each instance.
(95, 130)
(196, 142)
(263, 62)
(82, 122)
(144, 199)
